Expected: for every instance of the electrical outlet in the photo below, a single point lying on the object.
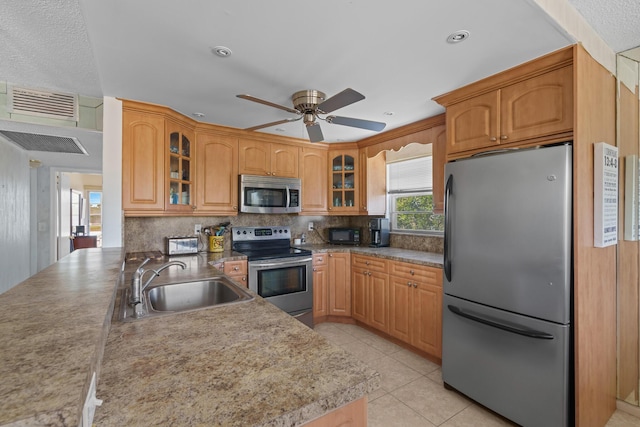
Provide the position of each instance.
(198, 228)
(310, 226)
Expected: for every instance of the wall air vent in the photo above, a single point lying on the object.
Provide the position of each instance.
(50, 143)
(61, 106)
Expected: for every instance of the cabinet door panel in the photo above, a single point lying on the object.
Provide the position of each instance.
(359, 294)
(255, 158)
(217, 174)
(536, 107)
(400, 299)
(427, 319)
(339, 284)
(378, 288)
(473, 123)
(142, 161)
(313, 174)
(284, 160)
(320, 301)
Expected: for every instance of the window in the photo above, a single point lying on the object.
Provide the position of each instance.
(410, 199)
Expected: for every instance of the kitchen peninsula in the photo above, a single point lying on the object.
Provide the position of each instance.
(241, 364)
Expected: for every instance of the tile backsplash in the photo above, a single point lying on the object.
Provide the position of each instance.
(148, 234)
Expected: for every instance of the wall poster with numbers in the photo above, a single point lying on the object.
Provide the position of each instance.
(605, 195)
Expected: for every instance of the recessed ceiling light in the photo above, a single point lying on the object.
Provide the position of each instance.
(221, 51)
(279, 130)
(388, 113)
(198, 114)
(458, 36)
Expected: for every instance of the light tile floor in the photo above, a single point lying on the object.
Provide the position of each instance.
(411, 391)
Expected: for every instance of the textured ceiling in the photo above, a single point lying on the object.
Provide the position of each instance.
(394, 53)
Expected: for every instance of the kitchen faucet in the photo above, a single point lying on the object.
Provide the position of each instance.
(135, 298)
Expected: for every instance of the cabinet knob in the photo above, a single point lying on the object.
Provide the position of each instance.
(244, 278)
(366, 262)
(235, 208)
(415, 285)
(330, 255)
(493, 138)
(409, 284)
(503, 137)
(364, 208)
(314, 269)
(412, 272)
(236, 268)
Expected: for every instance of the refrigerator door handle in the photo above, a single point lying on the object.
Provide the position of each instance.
(447, 228)
(531, 333)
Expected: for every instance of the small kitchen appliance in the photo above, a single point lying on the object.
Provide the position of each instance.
(181, 245)
(279, 273)
(344, 236)
(379, 229)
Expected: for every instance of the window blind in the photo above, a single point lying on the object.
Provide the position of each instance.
(410, 175)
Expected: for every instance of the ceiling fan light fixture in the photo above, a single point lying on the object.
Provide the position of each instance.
(458, 36)
(222, 51)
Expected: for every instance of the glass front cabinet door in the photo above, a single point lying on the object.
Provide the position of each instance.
(180, 168)
(343, 177)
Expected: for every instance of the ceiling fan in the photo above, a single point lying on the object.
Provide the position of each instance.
(310, 104)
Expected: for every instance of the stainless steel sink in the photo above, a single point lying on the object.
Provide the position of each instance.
(186, 296)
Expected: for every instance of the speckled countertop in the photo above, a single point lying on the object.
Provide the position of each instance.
(244, 364)
(52, 332)
(430, 259)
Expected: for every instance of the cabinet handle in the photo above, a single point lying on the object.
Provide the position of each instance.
(503, 137)
(366, 262)
(493, 139)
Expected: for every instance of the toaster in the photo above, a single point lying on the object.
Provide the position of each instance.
(182, 245)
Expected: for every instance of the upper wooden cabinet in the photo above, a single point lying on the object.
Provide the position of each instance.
(216, 174)
(143, 157)
(268, 158)
(313, 174)
(439, 157)
(534, 106)
(343, 182)
(179, 167)
(372, 184)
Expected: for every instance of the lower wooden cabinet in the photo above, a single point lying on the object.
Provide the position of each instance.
(320, 287)
(235, 270)
(339, 284)
(415, 306)
(369, 290)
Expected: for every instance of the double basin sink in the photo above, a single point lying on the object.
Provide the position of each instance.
(181, 297)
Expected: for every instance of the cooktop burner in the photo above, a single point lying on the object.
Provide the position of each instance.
(259, 243)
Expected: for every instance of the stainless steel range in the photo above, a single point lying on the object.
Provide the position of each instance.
(277, 272)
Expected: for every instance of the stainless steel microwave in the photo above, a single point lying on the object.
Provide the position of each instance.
(269, 194)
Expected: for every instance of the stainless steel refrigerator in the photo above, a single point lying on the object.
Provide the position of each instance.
(507, 303)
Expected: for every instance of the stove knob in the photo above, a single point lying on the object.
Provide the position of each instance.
(244, 232)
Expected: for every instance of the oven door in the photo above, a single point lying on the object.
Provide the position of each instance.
(284, 282)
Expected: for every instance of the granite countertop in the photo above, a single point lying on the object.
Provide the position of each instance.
(430, 259)
(53, 328)
(244, 364)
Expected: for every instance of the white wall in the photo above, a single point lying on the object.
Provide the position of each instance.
(15, 236)
(112, 223)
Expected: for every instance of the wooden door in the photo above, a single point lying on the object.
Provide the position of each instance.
(473, 123)
(179, 167)
(254, 157)
(400, 308)
(537, 107)
(359, 294)
(378, 300)
(143, 180)
(284, 160)
(216, 174)
(313, 174)
(320, 286)
(426, 319)
(339, 284)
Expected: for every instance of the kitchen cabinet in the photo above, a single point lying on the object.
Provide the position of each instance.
(415, 306)
(369, 291)
(372, 183)
(320, 287)
(339, 284)
(216, 174)
(535, 107)
(179, 167)
(439, 158)
(236, 270)
(268, 158)
(143, 156)
(343, 182)
(313, 174)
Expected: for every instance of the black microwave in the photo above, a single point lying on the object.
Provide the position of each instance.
(344, 236)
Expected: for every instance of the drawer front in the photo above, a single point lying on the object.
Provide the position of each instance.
(235, 268)
(369, 263)
(320, 259)
(414, 271)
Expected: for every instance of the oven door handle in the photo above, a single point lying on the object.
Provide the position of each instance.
(260, 264)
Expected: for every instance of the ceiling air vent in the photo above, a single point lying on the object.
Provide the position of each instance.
(62, 106)
(50, 143)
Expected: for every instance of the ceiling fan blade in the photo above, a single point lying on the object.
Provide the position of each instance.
(339, 100)
(356, 123)
(270, 104)
(315, 133)
(266, 125)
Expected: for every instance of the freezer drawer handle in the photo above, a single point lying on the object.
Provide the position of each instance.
(531, 333)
